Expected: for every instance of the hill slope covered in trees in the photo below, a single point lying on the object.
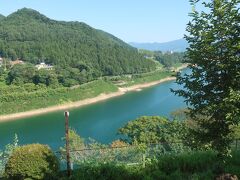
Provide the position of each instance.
(32, 37)
(1, 16)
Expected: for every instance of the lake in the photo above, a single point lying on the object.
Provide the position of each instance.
(99, 121)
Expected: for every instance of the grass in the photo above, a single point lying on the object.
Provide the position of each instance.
(196, 165)
(192, 166)
(18, 100)
(130, 80)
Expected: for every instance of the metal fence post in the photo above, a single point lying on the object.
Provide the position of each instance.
(66, 113)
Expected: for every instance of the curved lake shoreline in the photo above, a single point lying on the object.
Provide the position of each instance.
(100, 120)
(101, 97)
(88, 101)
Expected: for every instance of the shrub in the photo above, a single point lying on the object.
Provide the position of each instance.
(197, 165)
(33, 161)
(194, 165)
(197, 162)
(106, 172)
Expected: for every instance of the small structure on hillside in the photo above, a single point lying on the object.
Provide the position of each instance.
(1, 61)
(148, 57)
(17, 61)
(44, 66)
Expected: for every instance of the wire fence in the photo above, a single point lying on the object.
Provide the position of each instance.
(128, 155)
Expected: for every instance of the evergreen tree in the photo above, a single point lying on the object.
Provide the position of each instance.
(213, 88)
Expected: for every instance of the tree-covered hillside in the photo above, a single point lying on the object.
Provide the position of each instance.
(167, 59)
(32, 37)
(1, 17)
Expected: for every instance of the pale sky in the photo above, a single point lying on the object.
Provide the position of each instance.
(129, 20)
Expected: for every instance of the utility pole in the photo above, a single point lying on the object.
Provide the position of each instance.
(66, 114)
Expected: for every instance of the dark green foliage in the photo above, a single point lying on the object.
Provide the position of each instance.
(184, 166)
(26, 73)
(1, 17)
(33, 161)
(32, 37)
(153, 129)
(212, 89)
(49, 78)
(186, 163)
(106, 172)
(167, 59)
(233, 164)
(21, 74)
(195, 165)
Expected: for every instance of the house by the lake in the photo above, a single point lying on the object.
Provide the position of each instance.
(44, 66)
(148, 57)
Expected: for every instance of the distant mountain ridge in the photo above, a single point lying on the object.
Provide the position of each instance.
(31, 36)
(179, 45)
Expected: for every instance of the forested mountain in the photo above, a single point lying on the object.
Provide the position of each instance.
(167, 59)
(32, 37)
(1, 17)
(179, 45)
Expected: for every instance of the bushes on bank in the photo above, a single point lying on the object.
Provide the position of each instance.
(23, 99)
(106, 172)
(38, 162)
(33, 161)
(195, 165)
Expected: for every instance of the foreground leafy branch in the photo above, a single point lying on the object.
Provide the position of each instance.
(212, 89)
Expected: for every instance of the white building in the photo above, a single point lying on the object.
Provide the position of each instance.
(44, 66)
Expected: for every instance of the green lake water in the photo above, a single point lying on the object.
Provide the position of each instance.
(99, 121)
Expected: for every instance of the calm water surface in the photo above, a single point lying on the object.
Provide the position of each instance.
(99, 121)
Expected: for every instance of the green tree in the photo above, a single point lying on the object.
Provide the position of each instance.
(21, 73)
(215, 64)
(33, 161)
(152, 129)
(41, 76)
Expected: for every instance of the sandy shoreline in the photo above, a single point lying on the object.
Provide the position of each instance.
(145, 85)
(63, 107)
(88, 101)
